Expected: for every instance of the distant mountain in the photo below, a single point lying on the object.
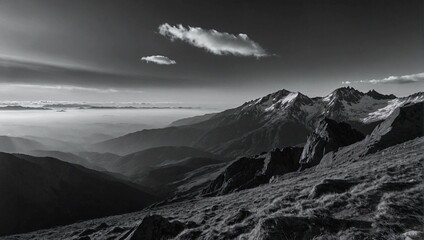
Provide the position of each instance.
(104, 160)
(149, 138)
(376, 95)
(44, 192)
(18, 144)
(66, 157)
(141, 162)
(166, 180)
(56, 144)
(17, 107)
(192, 120)
(279, 119)
(158, 168)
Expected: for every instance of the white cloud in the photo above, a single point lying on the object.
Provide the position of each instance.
(158, 59)
(220, 43)
(412, 78)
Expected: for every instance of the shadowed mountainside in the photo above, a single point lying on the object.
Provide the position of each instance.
(44, 192)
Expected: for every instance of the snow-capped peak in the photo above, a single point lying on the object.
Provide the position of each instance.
(347, 94)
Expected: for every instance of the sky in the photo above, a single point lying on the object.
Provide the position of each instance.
(214, 52)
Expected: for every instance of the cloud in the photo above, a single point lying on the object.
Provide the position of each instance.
(405, 79)
(158, 59)
(219, 43)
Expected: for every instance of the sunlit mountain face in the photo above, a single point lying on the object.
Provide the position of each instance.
(191, 119)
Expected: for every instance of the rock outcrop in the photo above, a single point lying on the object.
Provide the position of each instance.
(155, 227)
(328, 186)
(328, 136)
(251, 172)
(405, 123)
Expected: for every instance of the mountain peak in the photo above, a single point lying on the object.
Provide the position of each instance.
(376, 95)
(348, 94)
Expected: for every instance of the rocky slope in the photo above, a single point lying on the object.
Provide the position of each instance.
(44, 192)
(328, 136)
(251, 172)
(377, 196)
(405, 123)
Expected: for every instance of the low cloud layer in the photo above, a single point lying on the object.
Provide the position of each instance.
(405, 79)
(158, 59)
(219, 43)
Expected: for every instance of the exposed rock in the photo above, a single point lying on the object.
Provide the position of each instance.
(405, 123)
(328, 136)
(328, 186)
(238, 217)
(413, 235)
(251, 172)
(156, 227)
(87, 232)
(376, 95)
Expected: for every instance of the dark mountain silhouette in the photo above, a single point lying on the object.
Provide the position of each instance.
(44, 192)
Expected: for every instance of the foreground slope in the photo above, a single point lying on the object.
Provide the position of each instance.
(378, 196)
(43, 192)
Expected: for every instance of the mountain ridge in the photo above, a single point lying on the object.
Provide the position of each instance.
(238, 130)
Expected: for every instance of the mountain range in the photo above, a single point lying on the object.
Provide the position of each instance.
(279, 119)
(200, 166)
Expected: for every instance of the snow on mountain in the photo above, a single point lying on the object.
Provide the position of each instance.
(279, 119)
(343, 104)
(392, 105)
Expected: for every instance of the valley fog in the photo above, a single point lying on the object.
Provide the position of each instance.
(86, 126)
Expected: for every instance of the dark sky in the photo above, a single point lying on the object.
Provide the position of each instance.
(91, 50)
